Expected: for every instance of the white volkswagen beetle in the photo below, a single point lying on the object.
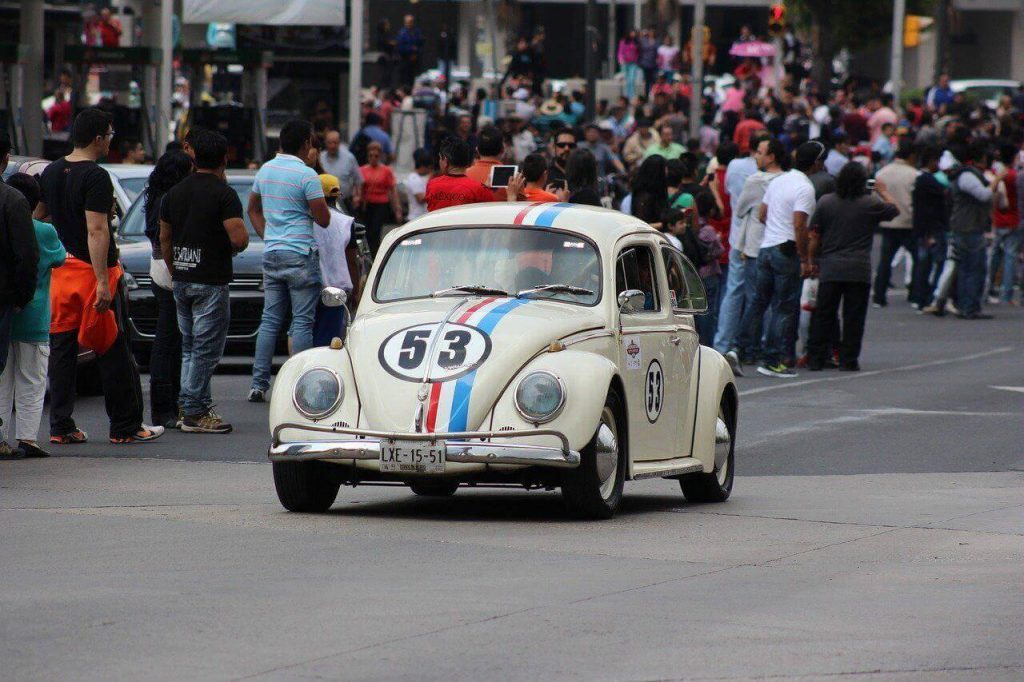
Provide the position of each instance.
(537, 345)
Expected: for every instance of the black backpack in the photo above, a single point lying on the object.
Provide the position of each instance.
(358, 147)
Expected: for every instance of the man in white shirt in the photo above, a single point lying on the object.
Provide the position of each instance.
(782, 259)
(523, 141)
(339, 264)
(415, 183)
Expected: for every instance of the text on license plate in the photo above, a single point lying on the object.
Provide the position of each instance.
(412, 456)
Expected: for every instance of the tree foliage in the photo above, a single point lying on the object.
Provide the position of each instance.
(853, 24)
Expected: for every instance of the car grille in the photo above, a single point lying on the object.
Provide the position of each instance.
(239, 283)
(147, 326)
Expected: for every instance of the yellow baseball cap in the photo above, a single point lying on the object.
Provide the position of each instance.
(330, 184)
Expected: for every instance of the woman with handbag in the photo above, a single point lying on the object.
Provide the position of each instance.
(165, 356)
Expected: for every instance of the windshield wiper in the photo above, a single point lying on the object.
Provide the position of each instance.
(556, 289)
(469, 289)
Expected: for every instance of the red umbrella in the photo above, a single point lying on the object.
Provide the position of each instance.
(752, 48)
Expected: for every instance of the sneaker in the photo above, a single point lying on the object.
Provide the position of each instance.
(994, 300)
(257, 395)
(733, 358)
(170, 421)
(952, 308)
(850, 366)
(143, 435)
(73, 438)
(6, 453)
(31, 449)
(878, 304)
(210, 422)
(777, 370)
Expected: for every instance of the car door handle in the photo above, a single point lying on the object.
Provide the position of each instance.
(675, 340)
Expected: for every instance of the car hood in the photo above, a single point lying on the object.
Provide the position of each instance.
(136, 252)
(485, 343)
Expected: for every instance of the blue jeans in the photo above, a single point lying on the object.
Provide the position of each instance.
(892, 240)
(290, 280)
(740, 287)
(629, 72)
(778, 288)
(204, 311)
(927, 267)
(1004, 250)
(708, 322)
(970, 275)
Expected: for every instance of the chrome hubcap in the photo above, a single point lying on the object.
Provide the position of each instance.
(606, 450)
(723, 444)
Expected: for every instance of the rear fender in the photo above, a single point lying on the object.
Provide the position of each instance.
(716, 381)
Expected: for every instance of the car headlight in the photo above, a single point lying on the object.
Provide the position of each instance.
(540, 396)
(130, 282)
(318, 392)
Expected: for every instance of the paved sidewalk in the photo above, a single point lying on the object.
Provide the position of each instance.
(155, 569)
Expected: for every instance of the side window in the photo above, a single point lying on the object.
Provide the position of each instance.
(636, 269)
(685, 285)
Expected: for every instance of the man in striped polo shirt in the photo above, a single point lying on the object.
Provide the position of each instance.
(286, 200)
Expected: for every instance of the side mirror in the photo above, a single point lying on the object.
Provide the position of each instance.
(631, 301)
(332, 297)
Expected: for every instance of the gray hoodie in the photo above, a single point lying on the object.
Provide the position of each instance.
(749, 232)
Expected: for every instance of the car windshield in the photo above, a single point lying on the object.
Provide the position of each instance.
(134, 224)
(508, 259)
(133, 187)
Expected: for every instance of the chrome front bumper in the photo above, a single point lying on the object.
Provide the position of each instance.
(458, 446)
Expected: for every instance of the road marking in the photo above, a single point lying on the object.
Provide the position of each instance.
(1016, 389)
(932, 413)
(871, 373)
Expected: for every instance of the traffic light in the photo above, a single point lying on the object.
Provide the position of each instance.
(912, 30)
(777, 20)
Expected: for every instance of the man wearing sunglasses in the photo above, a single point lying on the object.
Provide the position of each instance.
(562, 146)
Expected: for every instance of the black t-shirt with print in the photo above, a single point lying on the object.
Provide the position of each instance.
(69, 190)
(196, 209)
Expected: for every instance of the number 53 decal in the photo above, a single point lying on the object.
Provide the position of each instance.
(460, 349)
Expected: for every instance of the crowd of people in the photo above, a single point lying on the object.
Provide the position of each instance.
(776, 201)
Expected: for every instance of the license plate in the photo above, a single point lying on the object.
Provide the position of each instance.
(412, 456)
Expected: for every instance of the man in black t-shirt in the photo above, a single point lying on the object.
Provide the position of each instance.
(201, 229)
(78, 197)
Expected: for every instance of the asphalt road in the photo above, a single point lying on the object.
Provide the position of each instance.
(876, 531)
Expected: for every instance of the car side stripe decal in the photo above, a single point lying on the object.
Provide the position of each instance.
(459, 415)
(546, 218)
(435, 388)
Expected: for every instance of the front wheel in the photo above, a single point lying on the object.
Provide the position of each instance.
(716, 486)
(305, 487)
(594, 489)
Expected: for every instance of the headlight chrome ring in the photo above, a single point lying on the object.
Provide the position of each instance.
(531, 413)
(320, 402)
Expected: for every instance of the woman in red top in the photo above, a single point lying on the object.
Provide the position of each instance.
(380, 195)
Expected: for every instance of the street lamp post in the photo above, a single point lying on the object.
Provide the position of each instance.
(899, 11)
(355, 68)
(697, 66)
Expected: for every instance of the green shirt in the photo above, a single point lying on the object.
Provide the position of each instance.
(673, 151)
(32, 323)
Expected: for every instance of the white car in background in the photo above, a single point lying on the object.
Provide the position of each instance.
(503, 344)
(985, 90)
(129, 181)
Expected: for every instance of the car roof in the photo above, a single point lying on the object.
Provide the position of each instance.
(603, 226)
(983, 83)
(128, 170)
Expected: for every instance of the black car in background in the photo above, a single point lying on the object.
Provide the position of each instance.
(246, 287)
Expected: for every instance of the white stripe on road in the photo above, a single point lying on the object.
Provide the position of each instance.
(886, 411)
(1017, 389)
(875, 372)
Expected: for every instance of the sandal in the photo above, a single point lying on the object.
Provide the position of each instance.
(73, 438)
(146, 433)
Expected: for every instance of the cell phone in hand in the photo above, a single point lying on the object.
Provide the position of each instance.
(500, 175)
(560, 184)
(871, 184)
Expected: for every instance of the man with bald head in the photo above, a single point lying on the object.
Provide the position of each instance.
(338, 161)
